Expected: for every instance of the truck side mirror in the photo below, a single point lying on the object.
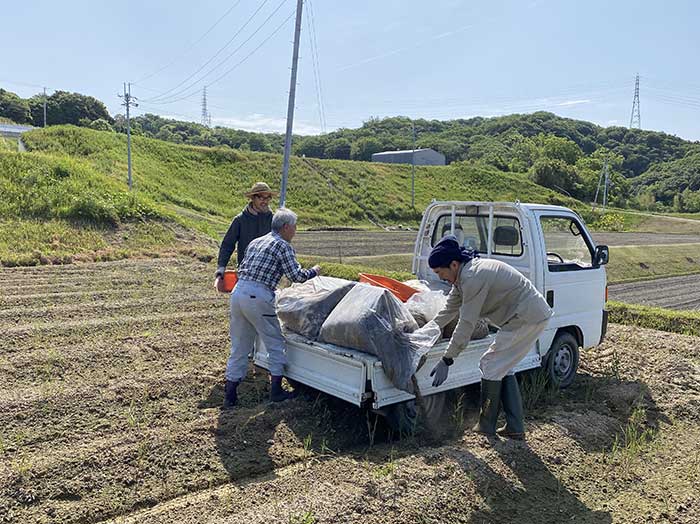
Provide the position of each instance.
(601, 256)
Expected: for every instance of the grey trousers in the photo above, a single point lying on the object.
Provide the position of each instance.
(253, 314)
(512, 343)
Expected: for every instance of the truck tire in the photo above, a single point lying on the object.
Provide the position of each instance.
(402, 417)
(562, 360)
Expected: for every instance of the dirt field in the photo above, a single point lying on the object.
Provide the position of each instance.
(365, 243)
(110, 382)
(673, 292)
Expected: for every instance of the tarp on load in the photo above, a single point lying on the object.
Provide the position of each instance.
(373, 320)
(303, 308)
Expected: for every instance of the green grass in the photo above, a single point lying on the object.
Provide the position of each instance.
(684, 322)
(8, 144)
(350, 272)
(203, 187)
(630, 263)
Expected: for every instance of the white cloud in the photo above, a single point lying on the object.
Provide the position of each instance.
(612, 122)
(266, 124)
(573, 103)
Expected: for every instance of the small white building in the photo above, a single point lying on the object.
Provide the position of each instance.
(423, 157)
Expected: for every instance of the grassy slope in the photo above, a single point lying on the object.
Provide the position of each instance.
(203, 187)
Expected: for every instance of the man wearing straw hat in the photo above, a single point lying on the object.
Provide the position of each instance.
(254, 221)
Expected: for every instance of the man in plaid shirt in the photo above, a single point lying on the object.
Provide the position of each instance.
(253, 313)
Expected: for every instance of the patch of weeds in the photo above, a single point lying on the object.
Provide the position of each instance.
(308, 440)
(537, 388)
(307, 517)
(635, 437)
(53, 364)
(388, 468)
(615, 363)
(458, 413)
(325, 450)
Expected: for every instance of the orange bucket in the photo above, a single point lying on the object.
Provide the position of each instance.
(230, 279)
(399, 289)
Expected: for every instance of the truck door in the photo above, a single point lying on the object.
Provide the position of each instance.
(573, 286)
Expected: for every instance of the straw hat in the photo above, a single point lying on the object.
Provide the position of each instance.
(260, 187)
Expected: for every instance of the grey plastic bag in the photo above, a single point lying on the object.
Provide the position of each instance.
(303, 308)
(373, 320)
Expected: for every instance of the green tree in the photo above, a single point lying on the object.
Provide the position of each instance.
(557, 175)
(364, 148)
(14, 108)
(101, 125)
(338, 148)
(63, 107)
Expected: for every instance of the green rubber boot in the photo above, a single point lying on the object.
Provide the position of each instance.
(490, 405)
(513, 409)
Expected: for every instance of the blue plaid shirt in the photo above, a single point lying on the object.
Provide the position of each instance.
(269, 257)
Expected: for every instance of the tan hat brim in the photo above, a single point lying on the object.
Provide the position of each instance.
(250, 194)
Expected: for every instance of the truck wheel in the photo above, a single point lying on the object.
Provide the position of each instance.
(402, 417)
(562, 360)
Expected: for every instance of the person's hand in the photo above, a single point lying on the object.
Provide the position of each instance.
(440, 372)
(219, 284)
(317, 268)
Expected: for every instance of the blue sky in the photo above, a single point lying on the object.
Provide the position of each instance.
(441, 59)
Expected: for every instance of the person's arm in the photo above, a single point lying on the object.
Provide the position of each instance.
(449, 311)
(293, 270)
(472, 300)
(228, 245)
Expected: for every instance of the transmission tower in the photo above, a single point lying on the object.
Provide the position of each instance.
(635, 119)
(206, 117)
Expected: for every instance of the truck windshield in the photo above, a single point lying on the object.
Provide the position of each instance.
(472, 232)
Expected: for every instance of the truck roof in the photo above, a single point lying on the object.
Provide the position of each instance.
(528, 206)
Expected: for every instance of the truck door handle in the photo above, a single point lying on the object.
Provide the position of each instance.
(550, 298)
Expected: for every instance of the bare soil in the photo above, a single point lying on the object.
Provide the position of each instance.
(110, 386)
(681, 292)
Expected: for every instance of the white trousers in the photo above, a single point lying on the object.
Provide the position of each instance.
(253, 314)
(513, 341)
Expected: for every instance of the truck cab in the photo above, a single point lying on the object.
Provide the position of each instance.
(550, 245)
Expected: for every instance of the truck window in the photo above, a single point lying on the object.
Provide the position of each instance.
(567, 248)
(472, 231)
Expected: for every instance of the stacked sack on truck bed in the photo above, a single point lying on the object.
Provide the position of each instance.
(369, 319)
(361, 317)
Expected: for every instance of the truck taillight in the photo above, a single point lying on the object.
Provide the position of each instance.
(606, 293)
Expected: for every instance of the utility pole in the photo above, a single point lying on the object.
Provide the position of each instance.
(635, 118)
(128, 102)
(290, 106)
(44, 107)
(413, 168)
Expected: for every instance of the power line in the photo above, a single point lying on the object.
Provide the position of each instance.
(164, 97)
(316, 65)
(235, 66)
(192, 45)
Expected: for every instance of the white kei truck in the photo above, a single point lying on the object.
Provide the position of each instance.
(550, 245)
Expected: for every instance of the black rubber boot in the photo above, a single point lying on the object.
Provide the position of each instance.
(230, 394)
(513, 409)
(490, 406)
(277, 393)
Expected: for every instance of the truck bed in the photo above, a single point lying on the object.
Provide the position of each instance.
(359, 378)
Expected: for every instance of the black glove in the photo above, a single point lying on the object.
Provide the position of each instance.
(440, 372)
